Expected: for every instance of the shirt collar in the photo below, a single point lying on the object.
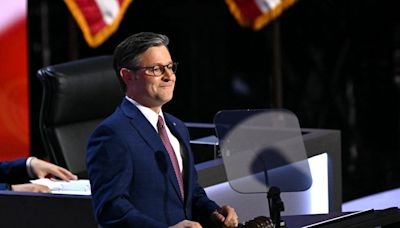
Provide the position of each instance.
(150, 115)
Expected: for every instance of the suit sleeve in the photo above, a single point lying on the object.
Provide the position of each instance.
(110, 171)
(202, 205)
(13, 172)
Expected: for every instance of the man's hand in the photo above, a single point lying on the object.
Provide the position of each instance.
(187, 224)
(30, 188)
(227, 216)
(44, 169)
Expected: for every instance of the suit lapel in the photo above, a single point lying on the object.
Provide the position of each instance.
(151, 137)
(186, 156)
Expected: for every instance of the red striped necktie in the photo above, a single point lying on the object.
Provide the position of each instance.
(164, 137)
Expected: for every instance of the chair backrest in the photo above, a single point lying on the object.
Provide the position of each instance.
(77, 96)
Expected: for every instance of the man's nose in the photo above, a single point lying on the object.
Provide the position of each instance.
(168, 73)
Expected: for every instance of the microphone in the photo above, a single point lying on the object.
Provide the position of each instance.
(258, 222)
(161, 161)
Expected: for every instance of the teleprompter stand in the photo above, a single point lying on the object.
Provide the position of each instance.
(276, 206)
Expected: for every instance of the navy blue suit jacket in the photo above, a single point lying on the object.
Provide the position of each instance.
(132, 178)
(13, 172)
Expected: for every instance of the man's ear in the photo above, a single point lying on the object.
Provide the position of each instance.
(126, 75)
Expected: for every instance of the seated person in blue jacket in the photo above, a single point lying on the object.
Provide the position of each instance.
(15, 175)
(139, 159)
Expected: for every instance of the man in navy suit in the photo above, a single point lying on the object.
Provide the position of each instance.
(14, 175)
(131, 169)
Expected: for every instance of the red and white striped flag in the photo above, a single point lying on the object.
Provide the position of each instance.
(257, 13)
(14, 81)
(98, 19)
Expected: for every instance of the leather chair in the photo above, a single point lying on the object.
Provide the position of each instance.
(77, 96)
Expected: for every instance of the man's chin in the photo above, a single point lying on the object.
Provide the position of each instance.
(164, 99)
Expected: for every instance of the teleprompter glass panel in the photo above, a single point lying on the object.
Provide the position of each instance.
(261, 149)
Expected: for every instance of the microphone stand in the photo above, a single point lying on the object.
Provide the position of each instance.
(276, 206)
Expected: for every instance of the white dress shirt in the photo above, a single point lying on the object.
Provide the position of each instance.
(152, 117)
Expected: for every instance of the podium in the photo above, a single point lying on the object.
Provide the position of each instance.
(50, 210)
(389, 217)
(22, 209)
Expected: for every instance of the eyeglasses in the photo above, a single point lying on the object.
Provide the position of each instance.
(158, 70)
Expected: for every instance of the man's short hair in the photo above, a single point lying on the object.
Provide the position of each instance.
(128, 52)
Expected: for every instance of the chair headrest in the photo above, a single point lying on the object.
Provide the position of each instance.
(79, 90)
